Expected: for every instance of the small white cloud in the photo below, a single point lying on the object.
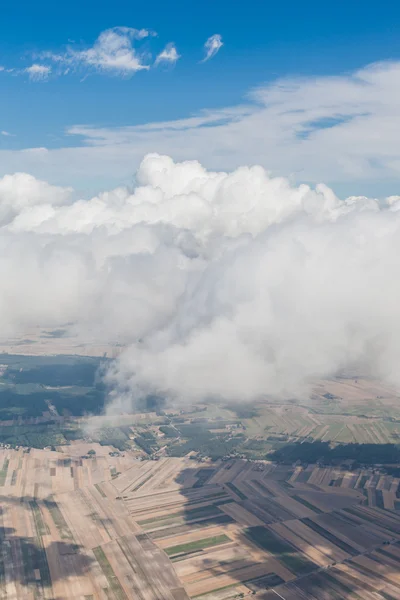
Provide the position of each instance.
(2, 68)
(212, 46)
(113, 52)
(6, 133)
(168, 55)
(38, 72)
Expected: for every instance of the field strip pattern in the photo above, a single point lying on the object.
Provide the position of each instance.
(115, 527)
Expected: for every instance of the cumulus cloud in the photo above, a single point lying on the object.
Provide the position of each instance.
(38, 72)
(212, 45)
(168, 56)
(220, 285)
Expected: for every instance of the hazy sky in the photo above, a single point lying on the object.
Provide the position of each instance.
(89, 88)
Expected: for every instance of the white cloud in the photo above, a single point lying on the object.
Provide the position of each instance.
(230, 285)
(212, 46)
(38, 72)
(341, 130)
(113, 52)
(21, 191)
(168, 55)
(6, 133)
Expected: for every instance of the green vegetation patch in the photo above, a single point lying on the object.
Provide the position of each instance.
(146, 443)
(32, 436)
(307, 504)
(98, 488)
(68, 382)
(311, 452)
(236, 490)
(183, 516)
(287, 554)
(108, 571)
(206, 443)
(198, 545)
(40, 526)
(177, 529)
(58, 518)
(169, 431)
(3, 472)
(141, 484)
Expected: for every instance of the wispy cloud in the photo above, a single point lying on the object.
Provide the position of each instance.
(119, 51)
(38, 72)
(168, 55)
(317, 128)
(212, 46)
(113, 52)
(7, 133)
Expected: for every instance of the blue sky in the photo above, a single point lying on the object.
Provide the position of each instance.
(263, 44)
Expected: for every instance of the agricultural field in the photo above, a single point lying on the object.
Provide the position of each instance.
(211, 501)
(89, 522)
(49, 401)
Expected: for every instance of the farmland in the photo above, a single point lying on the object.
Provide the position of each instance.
(44, 401)
(106, 525)
(280, 498)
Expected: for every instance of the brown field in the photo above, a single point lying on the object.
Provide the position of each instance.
(36, 342)
(119, 528)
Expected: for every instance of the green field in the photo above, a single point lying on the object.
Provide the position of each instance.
(58, 518)
(108, 571)
(3, 472)
(197, 545)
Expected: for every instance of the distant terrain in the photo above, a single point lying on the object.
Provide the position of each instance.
(45, 401)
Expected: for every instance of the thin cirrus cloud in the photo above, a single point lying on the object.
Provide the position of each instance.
(38, 72)
(212, 45)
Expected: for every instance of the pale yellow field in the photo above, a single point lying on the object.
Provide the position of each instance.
(119, 528)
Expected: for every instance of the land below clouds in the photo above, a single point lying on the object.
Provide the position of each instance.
(50, 401)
